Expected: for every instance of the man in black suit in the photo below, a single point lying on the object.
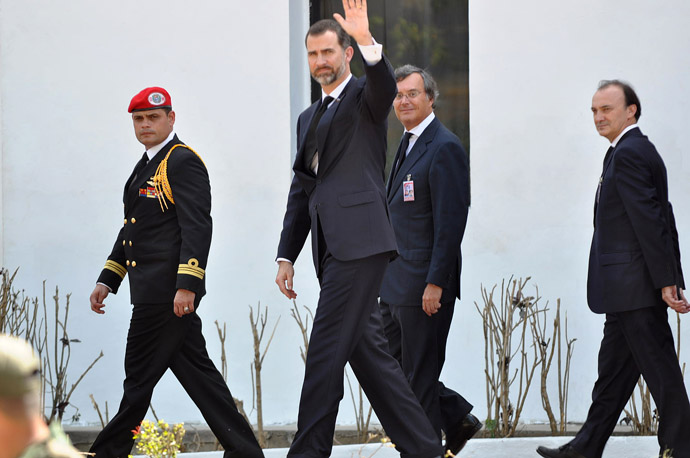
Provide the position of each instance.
(338, 195)
(164, 246)
(428, 199)
(634, 276)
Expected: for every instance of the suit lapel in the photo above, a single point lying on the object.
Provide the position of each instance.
(608, 159)
(416, 153)
(394, 168)
(132, 176)
(303, 130)
(322, 130)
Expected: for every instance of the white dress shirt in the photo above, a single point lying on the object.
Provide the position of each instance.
(417, 130)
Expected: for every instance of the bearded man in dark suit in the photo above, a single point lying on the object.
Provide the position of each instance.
(634, 277)
(338, 195)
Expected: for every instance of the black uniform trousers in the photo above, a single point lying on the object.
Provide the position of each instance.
(418, 342)
(637, 342)
(158, 340)
(348, 328)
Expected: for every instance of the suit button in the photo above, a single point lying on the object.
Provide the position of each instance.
(123, 243)
(127, 262)
(130, 242)
(125, 220)
(134, 263)
(318, 181)
(133, 220)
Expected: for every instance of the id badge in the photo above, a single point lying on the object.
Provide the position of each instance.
(408, 189)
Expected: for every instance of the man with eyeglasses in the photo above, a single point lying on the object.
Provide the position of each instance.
(428, 196)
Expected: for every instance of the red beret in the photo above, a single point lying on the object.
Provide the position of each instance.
(150, 98)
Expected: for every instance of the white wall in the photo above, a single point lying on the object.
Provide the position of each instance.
(536, 156)
(68, 71)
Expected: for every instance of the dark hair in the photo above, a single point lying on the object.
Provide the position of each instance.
(430, 86)
(323, 26)
(166, 109)
(629, 93)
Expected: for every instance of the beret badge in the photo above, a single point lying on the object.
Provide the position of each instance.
(156, 98)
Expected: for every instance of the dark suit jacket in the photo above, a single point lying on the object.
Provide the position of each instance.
(163, 251)
(347, 195)
(429, 229)
(635, 244)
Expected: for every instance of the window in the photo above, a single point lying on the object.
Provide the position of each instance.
(431, 34)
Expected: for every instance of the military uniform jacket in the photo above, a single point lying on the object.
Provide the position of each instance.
(163, 251)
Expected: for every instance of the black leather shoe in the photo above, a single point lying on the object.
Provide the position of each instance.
(457, 438)
(564, 451)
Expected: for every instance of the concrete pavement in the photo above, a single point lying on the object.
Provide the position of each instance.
(524, 447)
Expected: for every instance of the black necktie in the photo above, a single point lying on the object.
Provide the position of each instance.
(310, 144)
(402, 150)
(140, 165)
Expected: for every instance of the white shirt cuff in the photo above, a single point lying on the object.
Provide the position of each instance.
(101, 283)
(372, 54)
(282, 259)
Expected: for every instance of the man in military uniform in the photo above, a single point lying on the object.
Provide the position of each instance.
(23, 432)
(163, 246)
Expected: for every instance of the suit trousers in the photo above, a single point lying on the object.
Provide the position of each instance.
(418, 342)
(158, 340)
(637, 342)
(348, 328)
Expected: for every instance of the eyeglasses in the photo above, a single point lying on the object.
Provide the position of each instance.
(413, 94)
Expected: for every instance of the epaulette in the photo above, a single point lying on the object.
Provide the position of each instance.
(160, 178)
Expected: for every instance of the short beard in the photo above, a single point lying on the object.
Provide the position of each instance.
(330, 78)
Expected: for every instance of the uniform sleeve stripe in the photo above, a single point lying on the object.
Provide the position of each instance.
(184, 269)
(120, 270)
